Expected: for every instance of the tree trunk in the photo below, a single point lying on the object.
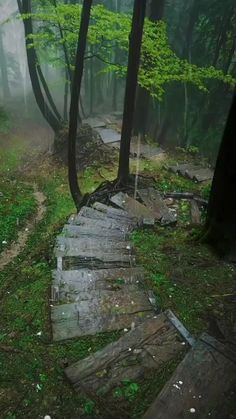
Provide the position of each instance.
(220, 228)
(74, 107)
(155, 13)
(131, 85)
(3, 68)
(25, 7)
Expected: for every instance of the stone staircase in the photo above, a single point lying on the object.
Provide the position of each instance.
(98, 287)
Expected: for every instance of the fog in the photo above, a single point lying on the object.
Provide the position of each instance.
(183, 117)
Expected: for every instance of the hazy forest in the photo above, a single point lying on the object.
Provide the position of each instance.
(117, 209)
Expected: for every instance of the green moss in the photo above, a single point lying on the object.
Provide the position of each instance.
(184, 274)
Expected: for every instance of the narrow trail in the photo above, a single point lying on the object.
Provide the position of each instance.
(18, 246)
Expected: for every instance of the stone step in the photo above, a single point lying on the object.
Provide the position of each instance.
(67, 246)
(68, 284)
(99, 311)
(153, 200)
(133, 207)
(71, 230)
(106, 224)
(95, 214)
(135, 355)
(200, 386)
(88, 246)
(114, 212)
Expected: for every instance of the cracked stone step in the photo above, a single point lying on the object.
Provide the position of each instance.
(106, 223)
(68, 284)
(86, 246)
(133, 207)
(99, 311)
(140, 351)
(200, 384)
(114, 212)
(153, 200)
(99, 215)
(71, 230)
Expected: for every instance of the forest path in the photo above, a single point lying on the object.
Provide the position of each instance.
(18, 246)
(98, 287)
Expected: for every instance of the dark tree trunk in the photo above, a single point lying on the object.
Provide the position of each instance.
(74, 107)
(3, 68)
(220, 228)
(91, 77)
(155, 13)
(117, 9)
(53, 121)
(131, 86)
(66, 94)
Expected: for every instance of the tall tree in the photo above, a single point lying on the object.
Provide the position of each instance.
(50, 113)
(3, 69)
(74, 107)
(220, 228)
(131, 86)
(155, 12)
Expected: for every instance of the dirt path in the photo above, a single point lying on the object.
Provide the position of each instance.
(17, 247)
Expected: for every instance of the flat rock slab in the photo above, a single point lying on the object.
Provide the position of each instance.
(114, 212)
(133, 207)
(199, 384)
(87, 246)
(106, 224)
(71, 230)
(132, 357)
(153, 200)
(109, 135)
(200, 174)
(68, 284)
(95, 122)
(96, 214)
(99, 311)
(148, 151)
(193, 172)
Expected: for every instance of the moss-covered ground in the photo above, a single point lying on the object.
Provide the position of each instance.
(183, 273)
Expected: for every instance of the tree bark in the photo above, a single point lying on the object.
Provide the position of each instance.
(33, 64)
(155, 13)
(131, 86)
(3, 68)
(220, 228)
(74, 107)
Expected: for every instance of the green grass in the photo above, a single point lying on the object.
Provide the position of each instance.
(17, 204)
(183, 274)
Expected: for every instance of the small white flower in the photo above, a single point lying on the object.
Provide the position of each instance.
(125, 330)
(183, 343)
(4, 242)
(192, 410)
(176, 386)
(181, 383)
(47, 417)
(129, 349)
(39, 333)
(117, 305)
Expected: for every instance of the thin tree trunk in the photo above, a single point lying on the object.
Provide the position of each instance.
(131, 85)
(74, 107)
(66, 93)
(155, 13)
(25, 7)
(3, 68)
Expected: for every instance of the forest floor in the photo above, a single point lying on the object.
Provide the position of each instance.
(184, 274)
